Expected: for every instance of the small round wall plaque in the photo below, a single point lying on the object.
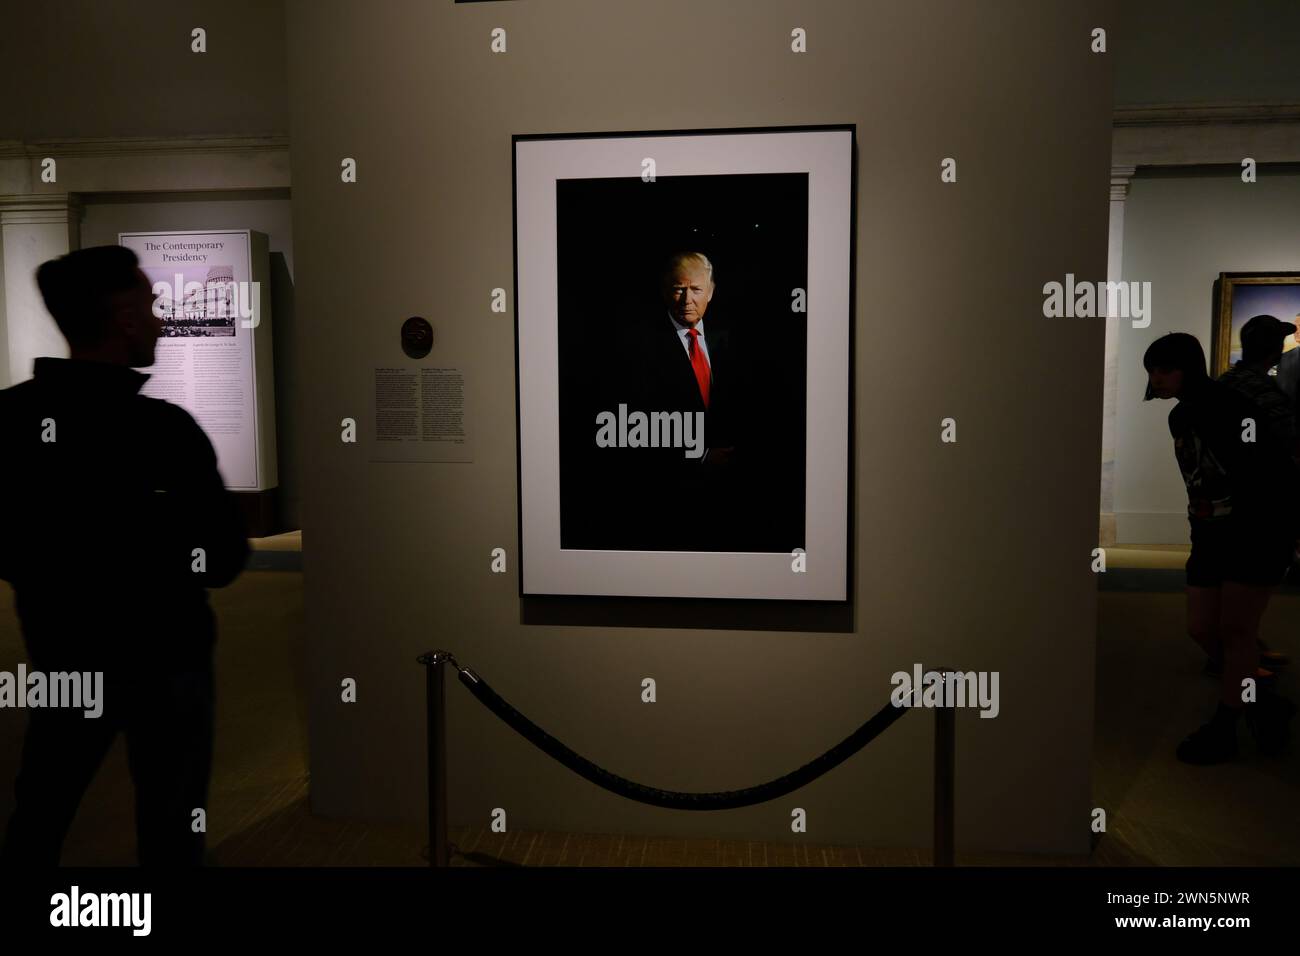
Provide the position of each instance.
(417, 337)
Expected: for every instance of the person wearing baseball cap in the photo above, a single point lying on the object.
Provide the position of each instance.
(1267, 330)
(1262, 338)
(1261, 349)
(1242, 533)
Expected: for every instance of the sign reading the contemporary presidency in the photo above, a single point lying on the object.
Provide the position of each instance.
(212, 293)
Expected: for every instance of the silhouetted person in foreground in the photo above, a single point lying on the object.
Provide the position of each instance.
(1243, 529)
(114, 521)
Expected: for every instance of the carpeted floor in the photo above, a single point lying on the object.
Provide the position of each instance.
(1150, 695)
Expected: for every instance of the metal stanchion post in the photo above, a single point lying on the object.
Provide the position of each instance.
(945, 752)
(435, 698)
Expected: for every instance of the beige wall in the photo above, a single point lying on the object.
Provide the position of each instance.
(974, 554)
(1206, 51)
(85, 68)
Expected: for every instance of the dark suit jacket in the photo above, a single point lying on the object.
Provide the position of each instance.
(657, 499)
(654, 372)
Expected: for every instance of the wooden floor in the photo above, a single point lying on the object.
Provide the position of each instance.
(480, 847)
(1160, 811)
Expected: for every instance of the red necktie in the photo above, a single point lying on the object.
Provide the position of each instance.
(699, 364)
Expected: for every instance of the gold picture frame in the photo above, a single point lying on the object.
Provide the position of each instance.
(1230, 312)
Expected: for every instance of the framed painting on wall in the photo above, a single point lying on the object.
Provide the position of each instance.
(682, 309)
(1238, 296)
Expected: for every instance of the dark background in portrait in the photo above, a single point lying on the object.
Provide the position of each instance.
(613, 237)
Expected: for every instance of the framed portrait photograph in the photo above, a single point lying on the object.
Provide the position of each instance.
(1238, 297)
(682, 348)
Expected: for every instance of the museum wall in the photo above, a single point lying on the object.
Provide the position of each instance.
(974, 554)
(1206, 52)
(1181, 229)
(69, 71)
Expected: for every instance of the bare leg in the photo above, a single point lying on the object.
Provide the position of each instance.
(1203, 619)
(1241, 608)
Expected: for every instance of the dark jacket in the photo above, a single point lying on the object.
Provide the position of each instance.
(662, 499)
(99, 526)
(1228, 478)
(653, 373)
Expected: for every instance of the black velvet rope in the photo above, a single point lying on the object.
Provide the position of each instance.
(674, 799)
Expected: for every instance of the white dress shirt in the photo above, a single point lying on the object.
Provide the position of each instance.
(685, 339)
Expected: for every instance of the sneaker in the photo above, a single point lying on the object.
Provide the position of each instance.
(1214, 742)
(1270, 723)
